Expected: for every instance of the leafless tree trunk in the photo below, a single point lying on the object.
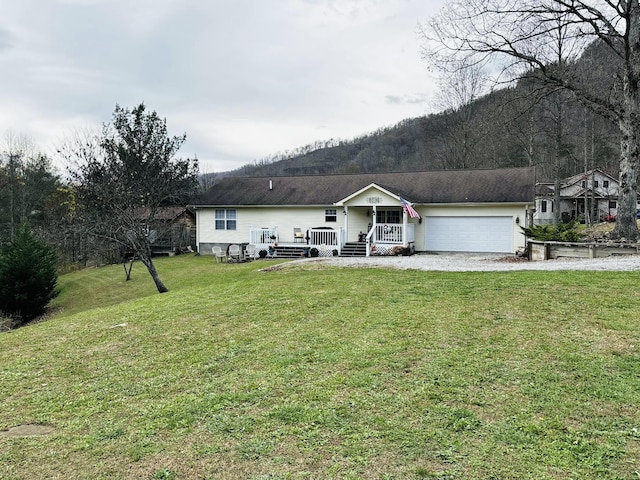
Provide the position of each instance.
(558, 155)
(151, 268)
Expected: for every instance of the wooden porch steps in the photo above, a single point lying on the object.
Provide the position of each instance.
(289, 251)
(354, 249)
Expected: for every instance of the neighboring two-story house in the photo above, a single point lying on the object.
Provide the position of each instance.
(592, 195)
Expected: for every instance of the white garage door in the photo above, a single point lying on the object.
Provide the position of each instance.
(469, 234)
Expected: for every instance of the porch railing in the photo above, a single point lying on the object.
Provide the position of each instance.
(390, 235)
(323, 237)
(263, 236)
(324, 240)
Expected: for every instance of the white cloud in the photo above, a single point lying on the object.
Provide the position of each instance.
(243, 78)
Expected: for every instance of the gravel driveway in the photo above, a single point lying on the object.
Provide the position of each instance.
(481, 263)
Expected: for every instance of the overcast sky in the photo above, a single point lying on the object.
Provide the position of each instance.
(243, 78)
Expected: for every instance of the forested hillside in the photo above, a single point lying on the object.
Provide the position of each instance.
(518, 125)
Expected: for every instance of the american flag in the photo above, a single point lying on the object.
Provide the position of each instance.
(409, 208)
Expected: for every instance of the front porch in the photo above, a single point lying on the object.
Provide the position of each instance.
(381, 239)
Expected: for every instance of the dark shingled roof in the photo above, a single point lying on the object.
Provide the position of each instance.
(512, 185)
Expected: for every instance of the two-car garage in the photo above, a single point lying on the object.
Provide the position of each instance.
(492, 234)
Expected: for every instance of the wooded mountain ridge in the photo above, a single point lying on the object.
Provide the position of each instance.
(524, 124)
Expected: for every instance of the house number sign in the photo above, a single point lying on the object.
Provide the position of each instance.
(374, 200)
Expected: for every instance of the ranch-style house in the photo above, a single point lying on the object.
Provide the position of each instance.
(367, 214)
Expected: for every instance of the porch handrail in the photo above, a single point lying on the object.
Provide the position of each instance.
(368, 240)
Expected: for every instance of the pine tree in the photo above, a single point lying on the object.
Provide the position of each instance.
(28, 277)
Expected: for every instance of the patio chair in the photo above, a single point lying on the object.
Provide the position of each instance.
(235, 254)
(218, 253)
(250, 252)
(298, 236)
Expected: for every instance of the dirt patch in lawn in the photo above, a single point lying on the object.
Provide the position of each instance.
(28, 430)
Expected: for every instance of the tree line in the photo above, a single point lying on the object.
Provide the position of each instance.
(104, 208)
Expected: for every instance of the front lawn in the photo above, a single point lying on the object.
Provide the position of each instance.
(299, 373)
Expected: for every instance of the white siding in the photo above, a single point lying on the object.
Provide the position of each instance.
(285, 218)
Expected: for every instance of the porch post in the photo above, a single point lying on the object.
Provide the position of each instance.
(374, 214)
(371, 235)
(404, 228)
(346, 225)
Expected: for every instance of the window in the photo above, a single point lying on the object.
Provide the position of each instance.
(605, 184)
(613, 204)
(388, 216)
(330, 215)
(226, 219)
(544, 207)
(595, 184)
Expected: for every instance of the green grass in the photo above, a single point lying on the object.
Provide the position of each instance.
(307, 373)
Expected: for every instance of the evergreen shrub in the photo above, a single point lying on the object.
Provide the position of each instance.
(28, 277)
(563, 232)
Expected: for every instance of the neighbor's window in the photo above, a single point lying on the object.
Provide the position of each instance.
(613, 204)
(330, 215)
(605, 184)
(226, 219)
(595, 184)
(543, 206)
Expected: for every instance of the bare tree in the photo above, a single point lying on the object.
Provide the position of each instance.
(124, 177)
(517, 38)
(208, 180)
(457, 95)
